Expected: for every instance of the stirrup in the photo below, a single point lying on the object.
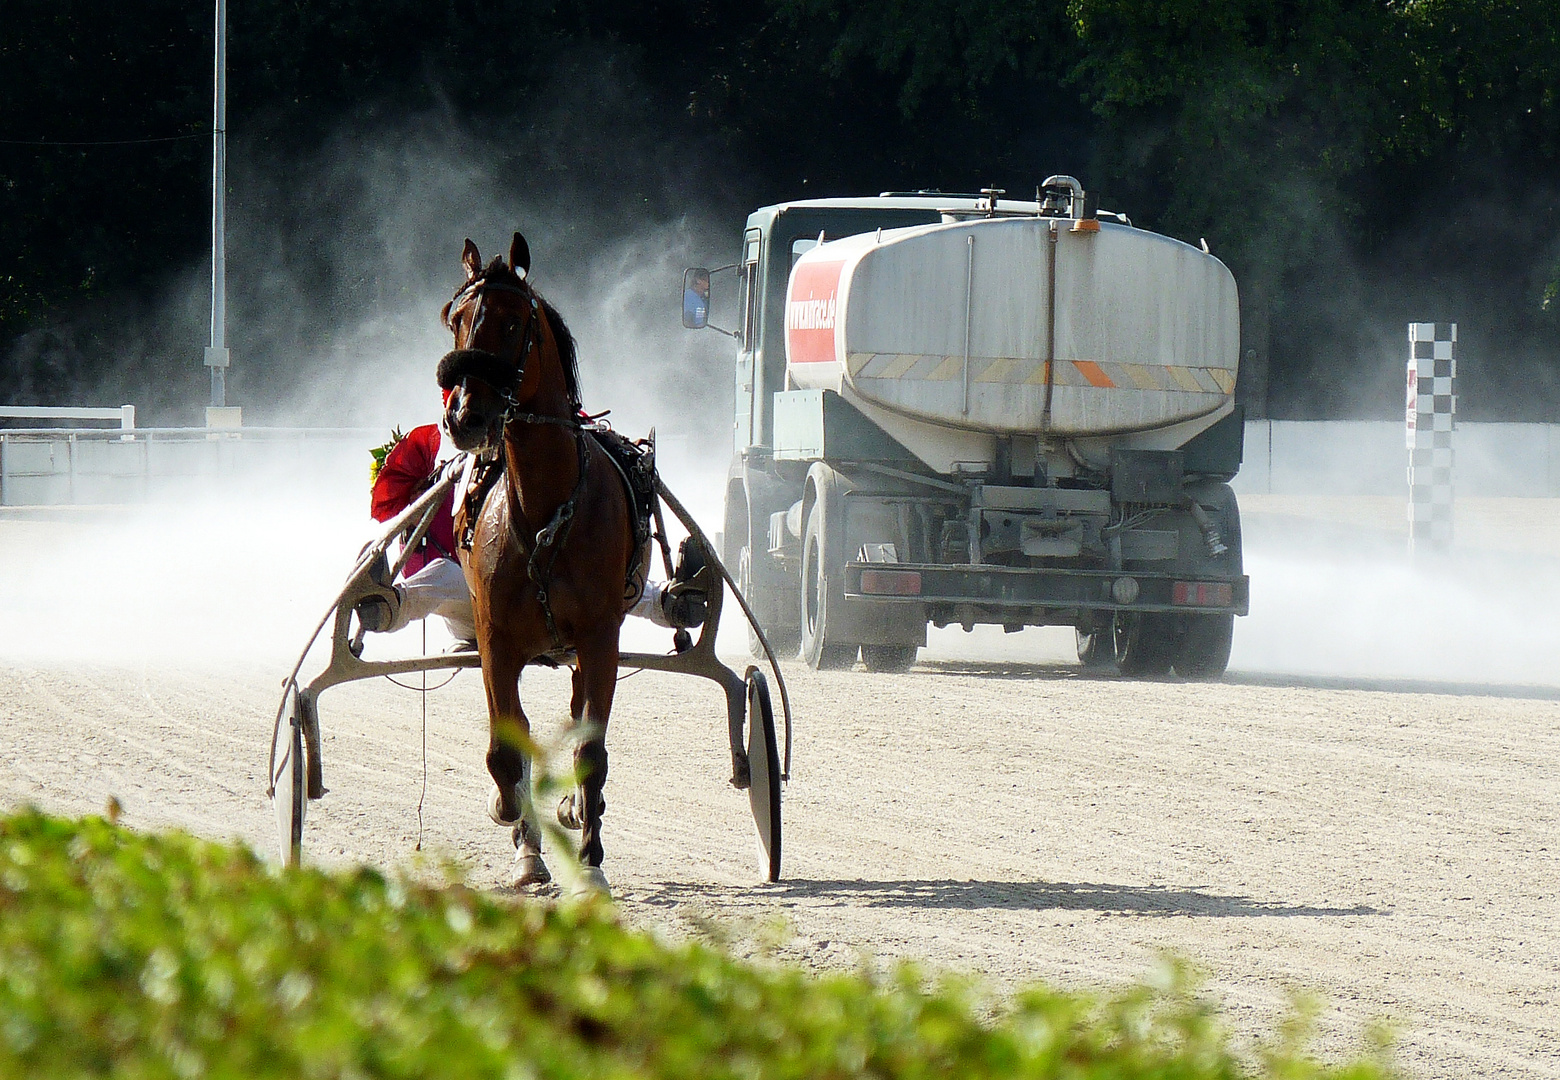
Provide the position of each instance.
(691, 561)
(379, 571)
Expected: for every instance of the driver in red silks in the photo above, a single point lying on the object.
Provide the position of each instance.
(432, 582)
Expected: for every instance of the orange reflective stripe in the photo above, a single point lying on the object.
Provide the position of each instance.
(1092, 372)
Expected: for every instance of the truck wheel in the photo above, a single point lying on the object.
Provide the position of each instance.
(823, 588)
(782, 639)
(889, 658)
(1097, 647)
(1204, 652)
(1145, 642)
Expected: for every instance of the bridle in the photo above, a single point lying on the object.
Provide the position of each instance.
(506, 377)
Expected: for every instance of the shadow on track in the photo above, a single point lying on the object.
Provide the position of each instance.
(1151, 900)
(1376, 684)
(1054, 671)
(1063, 672)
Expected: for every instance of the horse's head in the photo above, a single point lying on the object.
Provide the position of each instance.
(499, 329)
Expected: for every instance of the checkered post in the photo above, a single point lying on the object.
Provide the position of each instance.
(1432, 404)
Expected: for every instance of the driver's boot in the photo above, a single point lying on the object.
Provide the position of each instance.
(376, 612)
(683, 602)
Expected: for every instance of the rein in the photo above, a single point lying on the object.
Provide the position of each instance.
(507, 377)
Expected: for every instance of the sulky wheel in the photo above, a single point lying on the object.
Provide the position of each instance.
(764, 760)
(288, 770)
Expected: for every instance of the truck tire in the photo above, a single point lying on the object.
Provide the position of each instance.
(782, 639)
(889, 658)
(823, 588)
(1145, 642)
(1204, 651)
(1203, 642)
(1096, 648)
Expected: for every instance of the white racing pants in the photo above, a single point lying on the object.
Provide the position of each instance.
(439, 588)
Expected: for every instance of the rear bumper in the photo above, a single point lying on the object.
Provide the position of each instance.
(1009, 587)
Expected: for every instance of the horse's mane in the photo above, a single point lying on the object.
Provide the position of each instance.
(568, 349)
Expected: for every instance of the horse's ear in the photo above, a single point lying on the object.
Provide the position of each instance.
(472, 259)
(520, 256)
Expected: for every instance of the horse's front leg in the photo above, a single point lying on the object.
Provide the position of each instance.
(509, 763)
(596, 682)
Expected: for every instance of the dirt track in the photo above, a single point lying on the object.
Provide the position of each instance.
(1390, 845)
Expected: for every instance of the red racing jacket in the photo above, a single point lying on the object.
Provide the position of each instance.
(405, 474)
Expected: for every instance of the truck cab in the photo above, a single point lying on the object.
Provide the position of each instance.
(953, 409)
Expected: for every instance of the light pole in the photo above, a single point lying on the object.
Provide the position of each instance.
(217, 352)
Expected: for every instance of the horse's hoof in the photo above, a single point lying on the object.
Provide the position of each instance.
(566, 815)
(530, 870)
(590, 882)
(569, 811)
(496, 809)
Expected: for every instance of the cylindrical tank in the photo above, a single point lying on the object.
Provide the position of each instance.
(1017, 325)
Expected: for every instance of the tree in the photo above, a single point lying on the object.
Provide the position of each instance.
(1245, 122)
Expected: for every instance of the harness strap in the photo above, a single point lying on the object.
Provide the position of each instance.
(553, 536)
(533, 418)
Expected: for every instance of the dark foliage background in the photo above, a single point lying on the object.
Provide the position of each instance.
(1358, 164)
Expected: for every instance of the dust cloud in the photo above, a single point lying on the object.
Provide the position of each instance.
(1344, 598)
(339, 266)
(191, 582)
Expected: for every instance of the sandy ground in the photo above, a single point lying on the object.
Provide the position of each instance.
(1386, 840)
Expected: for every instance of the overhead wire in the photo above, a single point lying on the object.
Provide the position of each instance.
(101, 142)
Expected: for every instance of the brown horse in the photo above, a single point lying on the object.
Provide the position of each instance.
(550, 542)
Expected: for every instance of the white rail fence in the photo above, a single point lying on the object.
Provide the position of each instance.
(59, 466)
(125, 414)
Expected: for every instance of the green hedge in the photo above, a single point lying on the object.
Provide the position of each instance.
(130, 955)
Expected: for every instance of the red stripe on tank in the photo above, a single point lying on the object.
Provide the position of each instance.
(810, 311)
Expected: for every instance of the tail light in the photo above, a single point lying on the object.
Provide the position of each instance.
(891, 582)
(1202, 593)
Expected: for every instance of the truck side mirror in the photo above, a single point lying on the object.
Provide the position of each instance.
(696, 298)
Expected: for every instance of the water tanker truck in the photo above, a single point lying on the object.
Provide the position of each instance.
(961, 410)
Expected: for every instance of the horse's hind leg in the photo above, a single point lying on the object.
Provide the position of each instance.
(509, 763)
(597, 678)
